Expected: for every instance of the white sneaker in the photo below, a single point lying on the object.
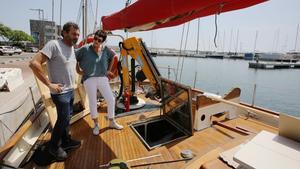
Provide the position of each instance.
(96, 130)
(140, 91)
(113, 124)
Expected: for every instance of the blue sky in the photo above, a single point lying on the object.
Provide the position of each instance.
(275, 21)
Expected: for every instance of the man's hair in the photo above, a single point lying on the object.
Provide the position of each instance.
(67, 26)
(101, 33)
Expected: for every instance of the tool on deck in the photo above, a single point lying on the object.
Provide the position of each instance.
(122, 164)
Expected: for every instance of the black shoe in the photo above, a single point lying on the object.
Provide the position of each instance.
(58, 153)
(70, 144)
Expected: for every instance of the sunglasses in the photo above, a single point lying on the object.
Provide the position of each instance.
(99, 39)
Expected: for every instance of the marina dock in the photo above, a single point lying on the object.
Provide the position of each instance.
(274, 65)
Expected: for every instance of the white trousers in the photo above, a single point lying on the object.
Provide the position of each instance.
(102, 84)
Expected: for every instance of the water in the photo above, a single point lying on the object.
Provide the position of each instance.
(278, 90)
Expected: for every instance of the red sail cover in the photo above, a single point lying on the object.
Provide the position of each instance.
(154, 14)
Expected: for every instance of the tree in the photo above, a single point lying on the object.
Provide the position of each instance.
(5, 31)
(18, 36)
(14, 35)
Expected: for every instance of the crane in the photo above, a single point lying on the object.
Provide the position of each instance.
(40, 11)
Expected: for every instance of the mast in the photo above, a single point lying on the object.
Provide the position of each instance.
(151, 40)
(60, 12)
(255, 40)
(277, 40)
(230, 41)
(224, 35)
(197, 51)
(84, 20)
(296, 38)
(52, 10)
(237, 41)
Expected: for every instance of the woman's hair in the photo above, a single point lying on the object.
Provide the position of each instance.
(101, 33)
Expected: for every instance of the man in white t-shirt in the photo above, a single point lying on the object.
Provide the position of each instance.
(61, 62)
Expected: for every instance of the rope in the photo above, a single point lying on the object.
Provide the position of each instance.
(128, 2)
(216, 30)
(216, 24)
(13, 110)
(6, 127)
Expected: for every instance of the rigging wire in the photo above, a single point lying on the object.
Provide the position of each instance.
(186, 40)
(178, 61)
(96, 18)
(79, 12)
(92, 18)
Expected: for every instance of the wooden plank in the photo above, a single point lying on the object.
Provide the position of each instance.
(125, 144)
(230, 128)
(215, 164)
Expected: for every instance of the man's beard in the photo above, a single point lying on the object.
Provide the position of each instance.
(74, 41)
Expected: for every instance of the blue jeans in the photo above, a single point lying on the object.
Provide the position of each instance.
(64, 109)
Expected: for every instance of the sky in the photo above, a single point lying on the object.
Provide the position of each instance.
(274, 21)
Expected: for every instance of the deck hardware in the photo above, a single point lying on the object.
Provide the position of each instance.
(186, 154)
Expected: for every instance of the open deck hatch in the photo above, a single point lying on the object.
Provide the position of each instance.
(175, 120)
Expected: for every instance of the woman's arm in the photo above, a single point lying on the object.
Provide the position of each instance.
(110, 74)
(111, 64)
(78, 69)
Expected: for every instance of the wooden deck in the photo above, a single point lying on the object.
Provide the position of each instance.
(110, 144)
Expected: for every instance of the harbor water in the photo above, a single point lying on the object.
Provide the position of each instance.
(277, 90)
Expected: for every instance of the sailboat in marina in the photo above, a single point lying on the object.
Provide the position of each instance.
(183, 127)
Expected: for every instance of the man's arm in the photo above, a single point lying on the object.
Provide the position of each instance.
(36, 65)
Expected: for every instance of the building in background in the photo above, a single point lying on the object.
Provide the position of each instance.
(43, 31)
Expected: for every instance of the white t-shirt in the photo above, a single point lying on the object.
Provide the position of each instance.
(61, 64)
